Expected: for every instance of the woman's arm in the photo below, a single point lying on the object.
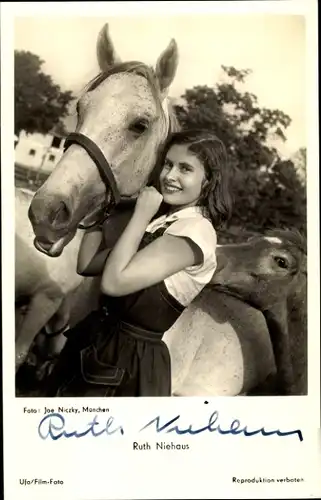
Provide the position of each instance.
(92, 254)
(127, 271)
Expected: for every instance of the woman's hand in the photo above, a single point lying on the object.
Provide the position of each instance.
(148, 203)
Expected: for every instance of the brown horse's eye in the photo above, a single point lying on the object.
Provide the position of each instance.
(281, 262)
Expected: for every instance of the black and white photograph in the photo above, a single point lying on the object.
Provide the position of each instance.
(157, 190)
(160, 208)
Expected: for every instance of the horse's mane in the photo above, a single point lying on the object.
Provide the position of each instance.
(143, 70)
(297, 310)
(173, 120)
(293, 237)
(126, 67)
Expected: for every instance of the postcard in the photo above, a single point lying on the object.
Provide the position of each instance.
(160, 250)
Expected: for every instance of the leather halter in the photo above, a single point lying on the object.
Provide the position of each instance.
(101, 163)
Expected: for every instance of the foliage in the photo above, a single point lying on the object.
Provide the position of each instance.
(300, 162)
(40, 104)
(60, 129)
(267, 191)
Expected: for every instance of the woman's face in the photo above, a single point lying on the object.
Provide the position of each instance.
(182, 177)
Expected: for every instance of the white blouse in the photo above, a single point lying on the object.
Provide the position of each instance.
(190, 222)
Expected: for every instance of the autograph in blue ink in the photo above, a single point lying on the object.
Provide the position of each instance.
(53, 426)
(235, 428)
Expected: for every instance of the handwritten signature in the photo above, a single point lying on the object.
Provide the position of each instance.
(235, 428)
(53, 426)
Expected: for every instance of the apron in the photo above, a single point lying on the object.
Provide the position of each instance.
(118, 350)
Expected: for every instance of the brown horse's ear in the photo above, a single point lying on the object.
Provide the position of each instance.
(277, 321)
(106, 54)
(166, 66)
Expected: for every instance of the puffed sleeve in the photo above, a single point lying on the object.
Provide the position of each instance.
(202, 233)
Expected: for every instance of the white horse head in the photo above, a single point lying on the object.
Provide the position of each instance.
(123, 111)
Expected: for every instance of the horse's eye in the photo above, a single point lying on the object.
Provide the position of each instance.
(139, 126)
(281, 262)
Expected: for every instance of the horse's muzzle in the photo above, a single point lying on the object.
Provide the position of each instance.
(51, 249)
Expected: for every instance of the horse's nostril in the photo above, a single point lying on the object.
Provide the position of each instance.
(62, 215)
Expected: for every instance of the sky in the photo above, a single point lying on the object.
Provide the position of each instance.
(271, 45)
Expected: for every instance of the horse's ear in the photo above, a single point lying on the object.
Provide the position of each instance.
(106, 54)
(166, 66)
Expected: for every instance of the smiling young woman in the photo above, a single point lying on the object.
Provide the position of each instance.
(160, 263)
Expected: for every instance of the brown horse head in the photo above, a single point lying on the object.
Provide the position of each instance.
(270, 273)
(124, 111)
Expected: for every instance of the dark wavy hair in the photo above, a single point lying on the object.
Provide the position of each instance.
(215, 198)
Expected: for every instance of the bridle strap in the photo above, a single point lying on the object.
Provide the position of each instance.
(99, 159)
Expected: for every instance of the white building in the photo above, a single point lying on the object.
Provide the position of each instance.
(37, 151)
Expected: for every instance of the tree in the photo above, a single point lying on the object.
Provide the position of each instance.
(40, 104)
(267, 191)
(59, 129)
(300, 162)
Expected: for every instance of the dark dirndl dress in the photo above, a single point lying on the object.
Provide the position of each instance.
(118, 350)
